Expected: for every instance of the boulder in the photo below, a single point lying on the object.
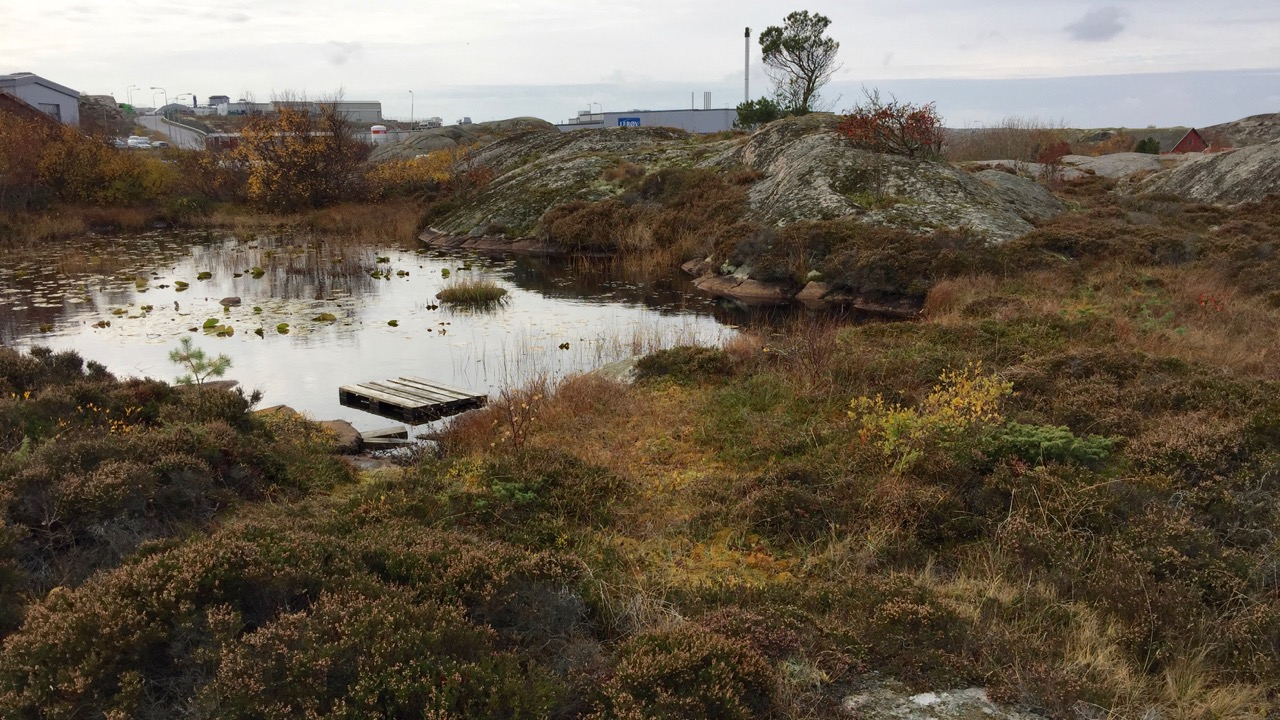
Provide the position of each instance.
(349, 441)
(751, 292)
(229, 301)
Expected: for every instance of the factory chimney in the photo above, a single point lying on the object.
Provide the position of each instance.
(746, 73)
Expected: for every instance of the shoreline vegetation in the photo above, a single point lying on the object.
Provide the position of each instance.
(1058, 481)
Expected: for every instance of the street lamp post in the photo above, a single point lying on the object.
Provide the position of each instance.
(410, 109)
(129, 93)
(598, 105)
(166, 93)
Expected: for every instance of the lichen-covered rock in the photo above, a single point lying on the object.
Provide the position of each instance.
(813, 173)
(538, 170)
(1031, 200)
(1244, 175)
(809, 171)
(1118, 165)
(892, 701)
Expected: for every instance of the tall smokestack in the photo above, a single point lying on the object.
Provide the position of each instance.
(746, 68)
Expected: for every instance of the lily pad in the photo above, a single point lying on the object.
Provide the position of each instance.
(211, 323)
(393, 323)
(283, 328)
(259, 332)
(204, 275)
(325, 317)
(257, 272)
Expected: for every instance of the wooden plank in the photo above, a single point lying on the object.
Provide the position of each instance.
(387, 442)
(443, 388)
(395, 431)
(374, 394)
(421, 397)
(410, 386)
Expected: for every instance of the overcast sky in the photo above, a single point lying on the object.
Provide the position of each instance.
(1116, 63)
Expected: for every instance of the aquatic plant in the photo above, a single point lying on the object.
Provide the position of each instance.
(473, 292)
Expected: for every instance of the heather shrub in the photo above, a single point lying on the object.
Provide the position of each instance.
(680, 211)
(97, 467)
(685, 364)
(588, 227)
(873, 261)
(351, 656)
(899, 628)
(687, 672)
(400, 601)
(774, 633)
(534, 495)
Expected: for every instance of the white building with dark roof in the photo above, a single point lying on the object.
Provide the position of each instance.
(57, 101)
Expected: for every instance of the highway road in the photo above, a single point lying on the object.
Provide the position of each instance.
(179, 136)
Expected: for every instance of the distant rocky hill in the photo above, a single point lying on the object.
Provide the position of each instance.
(1253, 130)
(452, 136)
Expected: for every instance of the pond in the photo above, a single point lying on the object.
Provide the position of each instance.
(126, 301)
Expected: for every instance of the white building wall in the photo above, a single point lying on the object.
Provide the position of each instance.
(694, 121)
(35, 93)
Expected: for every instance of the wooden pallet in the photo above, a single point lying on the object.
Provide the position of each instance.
(409, 399)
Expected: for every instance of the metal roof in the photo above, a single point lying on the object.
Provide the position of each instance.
(14, 80)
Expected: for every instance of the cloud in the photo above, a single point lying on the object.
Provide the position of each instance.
(231, 17)
(1098, 25)
(339, 53)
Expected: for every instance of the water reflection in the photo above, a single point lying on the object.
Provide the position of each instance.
(125, 301)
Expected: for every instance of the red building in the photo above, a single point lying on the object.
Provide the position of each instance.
(1191, 142)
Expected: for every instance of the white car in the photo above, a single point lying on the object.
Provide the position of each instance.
(137, 141)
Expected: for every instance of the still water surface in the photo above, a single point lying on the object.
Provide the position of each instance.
(117, 301)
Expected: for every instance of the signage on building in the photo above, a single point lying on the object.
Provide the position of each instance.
(628, 122)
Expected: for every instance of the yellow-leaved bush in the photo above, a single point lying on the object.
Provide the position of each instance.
(962, 403)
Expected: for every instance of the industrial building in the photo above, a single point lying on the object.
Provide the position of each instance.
(694, 121)
(57, 101)
(359, 112)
